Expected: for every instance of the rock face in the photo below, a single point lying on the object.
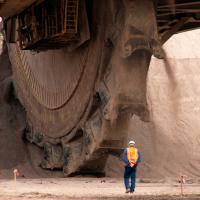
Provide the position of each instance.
(170, 143)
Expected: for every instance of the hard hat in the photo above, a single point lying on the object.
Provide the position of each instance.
(131, 142)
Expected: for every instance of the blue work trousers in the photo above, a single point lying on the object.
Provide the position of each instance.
(130, 173)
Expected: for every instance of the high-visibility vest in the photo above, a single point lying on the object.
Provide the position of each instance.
(132, 155)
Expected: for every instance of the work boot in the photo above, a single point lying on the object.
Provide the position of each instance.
(127, 190)
(132, 191)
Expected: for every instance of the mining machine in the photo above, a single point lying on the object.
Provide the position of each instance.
(79, 70)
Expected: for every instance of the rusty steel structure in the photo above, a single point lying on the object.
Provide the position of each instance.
(45, 25)
(79, 70)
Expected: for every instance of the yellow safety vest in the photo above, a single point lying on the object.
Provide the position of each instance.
(132, 155)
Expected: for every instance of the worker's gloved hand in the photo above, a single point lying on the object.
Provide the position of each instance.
(132, 164)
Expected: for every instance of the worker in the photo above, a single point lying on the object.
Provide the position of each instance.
(131, 158)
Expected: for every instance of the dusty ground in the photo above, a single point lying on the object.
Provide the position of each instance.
(91, 188)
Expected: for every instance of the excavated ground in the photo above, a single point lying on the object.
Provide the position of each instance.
(92, 188)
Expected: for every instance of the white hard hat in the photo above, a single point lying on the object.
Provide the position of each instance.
(131, 142)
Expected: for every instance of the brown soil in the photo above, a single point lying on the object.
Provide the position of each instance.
(50, 197)
(92, 188)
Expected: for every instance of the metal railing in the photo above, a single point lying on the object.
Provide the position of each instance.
(57, 24)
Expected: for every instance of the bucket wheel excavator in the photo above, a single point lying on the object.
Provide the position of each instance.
(79, 70)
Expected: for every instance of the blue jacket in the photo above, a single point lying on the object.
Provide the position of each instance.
(126, 160)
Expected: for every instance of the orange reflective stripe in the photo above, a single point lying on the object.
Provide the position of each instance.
(132, 154)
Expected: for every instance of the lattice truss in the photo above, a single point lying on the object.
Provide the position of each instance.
(48, 25)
